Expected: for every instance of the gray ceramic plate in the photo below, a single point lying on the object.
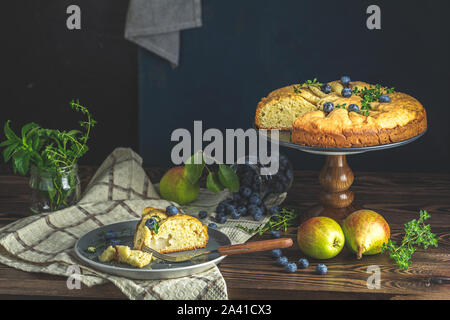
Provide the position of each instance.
(157, 269)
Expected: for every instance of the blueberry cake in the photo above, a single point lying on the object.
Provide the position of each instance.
(169, 231)
(342, 114)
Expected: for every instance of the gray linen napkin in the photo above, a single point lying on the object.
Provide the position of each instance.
(156, 24)
(119, 191)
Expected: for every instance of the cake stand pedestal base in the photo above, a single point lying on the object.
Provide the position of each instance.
(336, 177)
(336, 198)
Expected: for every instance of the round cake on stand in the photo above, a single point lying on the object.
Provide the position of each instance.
(337, 119)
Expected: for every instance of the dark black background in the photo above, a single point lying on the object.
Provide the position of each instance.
(45, 66)
(243, 50)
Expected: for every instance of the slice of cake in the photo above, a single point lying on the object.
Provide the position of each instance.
(167, 234)
(281, 107)
(124, 254)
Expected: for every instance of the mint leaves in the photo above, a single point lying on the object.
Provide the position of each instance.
(215, 181)
(49, 150)
(46, 148)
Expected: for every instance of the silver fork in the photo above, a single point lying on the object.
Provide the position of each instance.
(253, 246)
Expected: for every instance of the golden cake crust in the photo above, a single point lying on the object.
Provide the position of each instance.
(402, 118)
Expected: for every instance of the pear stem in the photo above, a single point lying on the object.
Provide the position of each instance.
(360, 250)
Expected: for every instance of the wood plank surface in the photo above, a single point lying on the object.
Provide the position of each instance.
(397, 196)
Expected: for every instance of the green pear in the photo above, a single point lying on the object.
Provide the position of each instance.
(175, 186)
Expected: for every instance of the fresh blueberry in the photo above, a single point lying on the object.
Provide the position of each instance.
(229, 209)
(151, 223)
(263, 208)
(384, 98)
(275, 233)
(245, 192)
(212, 225)
(114, 242)
(328, 107)
(283, 180)
(252, 208)
(345, 80)
(303, 263)
(110, 235)
(284, 162)
(243, 203)
(282, 260)
(256, 187)
(321, 268)
(242, 210)
(274, 210)
(171, 210)
(346, 92)
(353, 107)
(202, 214)
(245, 182)
(236, 197)
(235, 214)
(326, 88)
(280, 188)
(257, 216)
(254, 199)
(220, 209)
(291, 267)
(221, 219)
(276, 253)
(289, 174)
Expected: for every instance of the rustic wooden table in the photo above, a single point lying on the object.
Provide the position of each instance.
(397, 196)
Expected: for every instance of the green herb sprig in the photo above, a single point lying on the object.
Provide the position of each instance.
(307, 84)
(48, 149)
(417, 234)
(157, 225)
(279, 221)
(342, 106)
(369, 95)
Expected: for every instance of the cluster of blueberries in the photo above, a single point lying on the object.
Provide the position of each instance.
(248, 201)
(346, 93)
(292, 267)
(170, 210)
(281, 181)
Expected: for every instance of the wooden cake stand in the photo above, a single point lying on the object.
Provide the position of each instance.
(336, 177)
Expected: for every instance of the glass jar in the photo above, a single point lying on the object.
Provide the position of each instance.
(53, 190)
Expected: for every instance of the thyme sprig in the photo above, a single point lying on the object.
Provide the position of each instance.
(278, 221)
(309, 83)
(369, 95)
(417, 234)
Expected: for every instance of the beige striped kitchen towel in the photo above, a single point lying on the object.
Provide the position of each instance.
(119, 191)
